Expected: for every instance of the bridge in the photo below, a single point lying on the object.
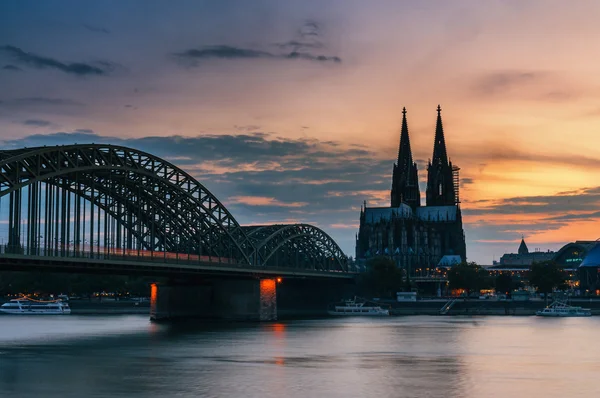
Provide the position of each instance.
(98, 208)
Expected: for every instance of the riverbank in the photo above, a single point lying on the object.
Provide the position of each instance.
(481, 307)
(420, 307)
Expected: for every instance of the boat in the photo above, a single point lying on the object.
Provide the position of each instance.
(355, 308)
(27, 306)
(562, 309)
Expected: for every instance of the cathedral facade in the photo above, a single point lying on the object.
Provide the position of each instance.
(416, 237)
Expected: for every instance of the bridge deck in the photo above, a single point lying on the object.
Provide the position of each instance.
(156, 266)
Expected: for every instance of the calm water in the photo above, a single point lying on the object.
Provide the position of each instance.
(127, 356)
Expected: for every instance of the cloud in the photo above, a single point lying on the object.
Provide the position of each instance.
(543, 86)
(96, 29)
(353, 226)
(222, 51)
(560, 206)
(36, 123)
(83, 131)
(40, 62)
(501, 82)
(40, 103)
(296, 49)
(264, 201)
(310, 30)
(296, 45)
(12, 68)
(310, 57)
(495, 151)
(247, 128)
(230, 52)
(308, 38)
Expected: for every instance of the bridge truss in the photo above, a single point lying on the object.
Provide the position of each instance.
(303, 245)
(106, 201)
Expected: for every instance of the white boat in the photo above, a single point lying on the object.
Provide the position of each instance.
(26, 306)
(561, 309)
(354, 308)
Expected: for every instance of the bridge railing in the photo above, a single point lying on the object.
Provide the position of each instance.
(115, 254)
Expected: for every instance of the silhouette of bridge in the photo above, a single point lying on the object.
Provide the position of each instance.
(111, 209)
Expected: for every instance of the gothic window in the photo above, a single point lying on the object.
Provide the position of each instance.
(440, 189)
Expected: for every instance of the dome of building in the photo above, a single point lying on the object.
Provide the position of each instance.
(592, 259)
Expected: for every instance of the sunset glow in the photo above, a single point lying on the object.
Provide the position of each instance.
(296, 107)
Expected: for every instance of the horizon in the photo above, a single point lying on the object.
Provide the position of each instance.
(292, 112)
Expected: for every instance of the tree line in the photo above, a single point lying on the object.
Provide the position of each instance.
(383, 278)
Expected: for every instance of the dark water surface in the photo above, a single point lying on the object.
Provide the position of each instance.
(127, 356)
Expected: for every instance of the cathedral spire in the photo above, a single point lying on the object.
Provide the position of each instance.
(441, 182)
(439, 147)
(405, 181)
(405, 159)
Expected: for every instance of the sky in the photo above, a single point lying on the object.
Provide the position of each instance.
(291, 111)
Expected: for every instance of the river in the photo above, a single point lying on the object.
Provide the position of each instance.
(416, 356)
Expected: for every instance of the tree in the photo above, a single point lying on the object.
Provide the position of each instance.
(503, 283)
(545, 276)
(468, 276)
(382, 278)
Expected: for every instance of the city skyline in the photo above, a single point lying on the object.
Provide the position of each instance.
(292, 112)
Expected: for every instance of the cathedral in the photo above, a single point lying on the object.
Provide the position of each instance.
(416, 237)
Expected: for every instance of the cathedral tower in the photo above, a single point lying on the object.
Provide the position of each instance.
(441, 189)
(405, 181)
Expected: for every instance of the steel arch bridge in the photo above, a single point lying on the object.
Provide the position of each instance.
(112, 202)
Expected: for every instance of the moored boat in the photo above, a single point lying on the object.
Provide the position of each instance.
(27, 306)
(356, 308)
(561, 309)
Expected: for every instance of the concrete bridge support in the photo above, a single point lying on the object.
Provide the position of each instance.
(231, 299)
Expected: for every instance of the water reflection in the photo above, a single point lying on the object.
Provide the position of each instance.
(395, 357)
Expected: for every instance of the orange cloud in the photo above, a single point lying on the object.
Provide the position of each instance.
(263, 201)
(345, 226)
(376, 195)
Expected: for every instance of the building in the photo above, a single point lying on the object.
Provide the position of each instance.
(523, 257)
(570, 256)
(577, 259)
(416, 237)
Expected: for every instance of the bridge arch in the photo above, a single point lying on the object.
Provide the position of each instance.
(297, 245)
(147, 202)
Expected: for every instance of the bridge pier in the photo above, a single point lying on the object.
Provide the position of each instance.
(228, 299)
